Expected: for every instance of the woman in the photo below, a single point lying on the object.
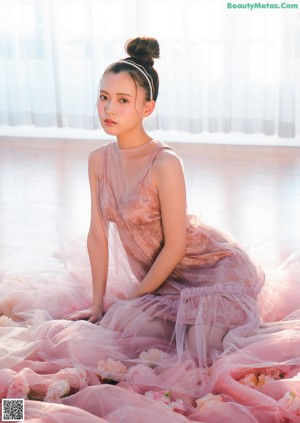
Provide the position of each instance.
(186, 296)
(194, 283)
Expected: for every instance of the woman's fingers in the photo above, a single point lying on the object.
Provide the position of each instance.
(89, 314)
(79, 315)
(94, 319)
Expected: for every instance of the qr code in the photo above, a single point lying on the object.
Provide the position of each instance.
(12, 410)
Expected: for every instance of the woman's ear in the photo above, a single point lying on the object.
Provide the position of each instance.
(149, 107)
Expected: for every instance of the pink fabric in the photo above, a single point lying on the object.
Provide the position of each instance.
(64, 369)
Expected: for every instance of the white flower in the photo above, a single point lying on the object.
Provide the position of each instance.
(153, 356)
(165, 398)
(57, 389)
(249, 380)
(7, 321)
(291, 401)
(209, 400)
(177, 406)
(111, 369)
(263, 379)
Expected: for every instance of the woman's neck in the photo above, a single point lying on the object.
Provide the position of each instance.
(133, 140)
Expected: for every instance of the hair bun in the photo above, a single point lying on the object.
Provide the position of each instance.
(143, 49)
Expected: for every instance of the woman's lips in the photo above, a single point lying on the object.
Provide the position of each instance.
(110, 122)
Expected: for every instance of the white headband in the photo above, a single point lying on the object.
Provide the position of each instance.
(143, 71)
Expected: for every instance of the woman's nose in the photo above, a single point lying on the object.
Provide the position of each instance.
(109, 108)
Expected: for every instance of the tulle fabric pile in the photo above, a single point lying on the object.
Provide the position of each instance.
(78, 371)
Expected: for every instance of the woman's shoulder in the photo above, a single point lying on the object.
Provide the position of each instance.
(166, 157)
(97, 152)
(96, 158)
(167, 164)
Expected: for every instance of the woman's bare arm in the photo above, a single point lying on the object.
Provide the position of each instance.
(97, 248)
(167, 175)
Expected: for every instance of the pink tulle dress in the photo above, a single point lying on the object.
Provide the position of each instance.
(158, 357)
(214, 286)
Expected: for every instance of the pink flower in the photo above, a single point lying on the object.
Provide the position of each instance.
(193, 378)
(209, 400)
(111, 369)
(153, 356)
(18, 390)
(57, 389)
(262, 376)
(291, 401)
(160, 396)
(76, 376)
(139, 372)
(274, 372)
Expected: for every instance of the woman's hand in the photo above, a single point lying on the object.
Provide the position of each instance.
(92, 314)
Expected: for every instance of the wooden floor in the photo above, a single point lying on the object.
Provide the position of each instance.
(251, 192)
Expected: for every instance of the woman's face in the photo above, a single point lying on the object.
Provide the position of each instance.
(121, 104)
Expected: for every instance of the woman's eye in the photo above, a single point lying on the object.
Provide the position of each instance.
(123, 100)
(102, 97)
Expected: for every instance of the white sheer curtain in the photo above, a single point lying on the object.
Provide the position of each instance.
(221, 69)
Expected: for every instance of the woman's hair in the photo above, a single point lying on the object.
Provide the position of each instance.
(139, 64)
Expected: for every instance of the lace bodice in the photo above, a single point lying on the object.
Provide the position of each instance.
(132, 203)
